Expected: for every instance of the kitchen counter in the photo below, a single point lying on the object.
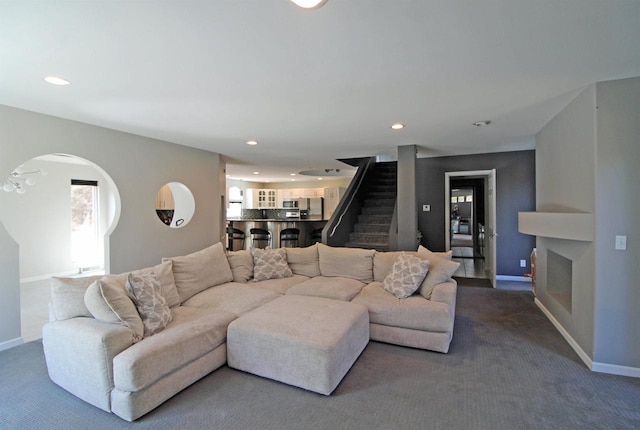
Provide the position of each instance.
(275, 226)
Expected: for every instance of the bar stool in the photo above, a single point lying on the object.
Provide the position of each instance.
(234, 234)
(316, 235)
(290, 235)
(259, 235)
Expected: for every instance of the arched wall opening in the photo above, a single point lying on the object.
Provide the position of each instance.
(40, 221)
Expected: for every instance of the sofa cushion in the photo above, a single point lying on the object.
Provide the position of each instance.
(233, 297)
(241, 263)
(192, 334)
(304, 261)
(281, 285)
(67, 297)
(108, 301)
(440, 270)
(270, 264)
(164, 274)
(336, 287)
(406, 276)
(414, 312)
(346, 262)
(146, 293)
(200, 270)
(383, 261)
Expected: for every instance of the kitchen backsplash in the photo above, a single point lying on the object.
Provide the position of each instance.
(264, 213)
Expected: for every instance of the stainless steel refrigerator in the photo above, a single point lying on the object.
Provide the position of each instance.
(311, 208)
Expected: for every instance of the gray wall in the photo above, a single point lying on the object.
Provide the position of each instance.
(587, 161)
(617, 319)
(515, 175)
(139, 166)
(565, 181)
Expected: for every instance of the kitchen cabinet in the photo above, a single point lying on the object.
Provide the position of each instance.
(257, 198)
(332, 197)
(310, 193)
(164, 198)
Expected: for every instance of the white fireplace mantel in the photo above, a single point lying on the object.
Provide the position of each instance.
(559, 225)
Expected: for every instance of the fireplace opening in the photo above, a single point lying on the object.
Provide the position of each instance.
(559, 278)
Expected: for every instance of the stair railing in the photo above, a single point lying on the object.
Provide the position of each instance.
(336, 232)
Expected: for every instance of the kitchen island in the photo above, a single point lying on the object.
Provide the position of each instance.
(275, 226)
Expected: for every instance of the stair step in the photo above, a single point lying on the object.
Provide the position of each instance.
(377, 210)
(382, 247)
(369, 237)
(375, 219)
(380, 203)
(371, 228)
(381, 195)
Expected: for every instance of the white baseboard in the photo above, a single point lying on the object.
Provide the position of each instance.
(11, 343)
(48, 276)
(615, 369)
(513, 278)
(583, 355)
(594, 366)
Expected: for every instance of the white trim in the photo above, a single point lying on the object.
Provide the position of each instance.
(513, 278)
(48, 276)
(583, 355)
(11, 343)
(615, 369)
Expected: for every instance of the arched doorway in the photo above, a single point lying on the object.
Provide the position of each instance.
(60, 232)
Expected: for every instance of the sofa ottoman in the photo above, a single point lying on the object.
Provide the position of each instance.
(308, 342)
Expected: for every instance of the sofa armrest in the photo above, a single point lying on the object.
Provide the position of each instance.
(445, 292)
(79, 354)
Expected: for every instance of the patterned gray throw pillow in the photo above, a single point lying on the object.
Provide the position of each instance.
(146, 293)
(406, 276)
(270, 264)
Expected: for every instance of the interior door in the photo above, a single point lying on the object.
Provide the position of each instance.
(491, 234)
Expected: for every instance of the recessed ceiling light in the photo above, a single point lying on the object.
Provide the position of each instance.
(319, 179)
(252, 142)
(256, 173)
(309, 4)
(397, 126)
(292, 174)
(293, 180)
(481, 123)
(54, 80)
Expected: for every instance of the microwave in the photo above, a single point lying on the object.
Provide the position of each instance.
(290, 204)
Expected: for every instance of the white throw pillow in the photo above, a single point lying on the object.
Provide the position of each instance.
(440, 270)
(406, 276)
(270, 264)
(146, 293)
(241, 263)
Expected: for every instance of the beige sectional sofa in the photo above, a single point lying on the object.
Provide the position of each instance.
(100, 344)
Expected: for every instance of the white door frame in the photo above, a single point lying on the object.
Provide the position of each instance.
(490, 218)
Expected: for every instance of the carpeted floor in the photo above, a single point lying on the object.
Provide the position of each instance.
(508, 368)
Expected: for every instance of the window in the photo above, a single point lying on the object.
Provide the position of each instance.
(85, 240)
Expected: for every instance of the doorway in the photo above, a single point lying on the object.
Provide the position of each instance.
(62, 227)
(470, 222)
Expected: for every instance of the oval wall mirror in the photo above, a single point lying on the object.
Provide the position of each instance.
(175, 204)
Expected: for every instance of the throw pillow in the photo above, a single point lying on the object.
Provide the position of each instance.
(241, 263)
(406, 276)
(304, 261)
(67, 297)
(270, 264)
(146, 293)
(108, 301)
(440, 270)
(164, 275)
(200, 270)
(346, 262)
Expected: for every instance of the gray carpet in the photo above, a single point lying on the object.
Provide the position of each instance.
(507, 368)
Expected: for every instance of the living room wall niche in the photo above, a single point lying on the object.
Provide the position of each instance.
(139, 166)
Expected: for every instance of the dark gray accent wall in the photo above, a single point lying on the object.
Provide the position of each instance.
(515, 182)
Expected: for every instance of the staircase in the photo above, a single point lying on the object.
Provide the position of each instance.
(372, 229)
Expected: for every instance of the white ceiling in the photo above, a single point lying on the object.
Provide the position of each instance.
(315, 86)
